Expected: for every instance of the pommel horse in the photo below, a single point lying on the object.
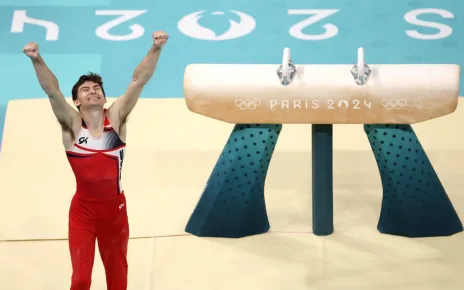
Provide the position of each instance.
(386, 99)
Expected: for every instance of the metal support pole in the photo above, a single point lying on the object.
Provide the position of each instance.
(322, 167)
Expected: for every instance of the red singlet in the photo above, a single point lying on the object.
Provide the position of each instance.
(97, 162)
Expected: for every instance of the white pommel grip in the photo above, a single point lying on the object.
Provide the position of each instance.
(285, 61)
(361, 62)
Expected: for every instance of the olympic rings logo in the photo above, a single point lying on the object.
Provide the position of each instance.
(247, 104)
(393, 104)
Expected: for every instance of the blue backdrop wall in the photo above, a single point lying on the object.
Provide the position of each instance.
(111, 36)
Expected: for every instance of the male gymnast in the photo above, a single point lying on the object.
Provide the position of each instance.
(94, 141)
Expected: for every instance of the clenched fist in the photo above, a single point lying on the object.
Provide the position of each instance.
(160, 38)
(31, 50)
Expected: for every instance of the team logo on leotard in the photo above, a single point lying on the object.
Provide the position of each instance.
(247, 104)
(390, 104)
(83, 140)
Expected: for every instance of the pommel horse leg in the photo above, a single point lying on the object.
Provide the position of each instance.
(232, 204)
(414, 202)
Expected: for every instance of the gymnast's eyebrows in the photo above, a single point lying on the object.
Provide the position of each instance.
(87, 87)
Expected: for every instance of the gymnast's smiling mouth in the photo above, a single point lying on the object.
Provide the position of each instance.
(94, 97)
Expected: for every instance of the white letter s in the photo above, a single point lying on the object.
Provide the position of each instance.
(445, 30)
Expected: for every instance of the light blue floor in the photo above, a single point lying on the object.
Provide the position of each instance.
(378, 26)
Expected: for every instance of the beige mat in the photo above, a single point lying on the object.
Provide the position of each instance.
(171, 153)
(357, 259)
(46, 265)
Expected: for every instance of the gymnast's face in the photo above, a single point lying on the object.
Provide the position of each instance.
(90, 94)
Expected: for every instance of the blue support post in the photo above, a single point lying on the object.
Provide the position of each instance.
(322, 167)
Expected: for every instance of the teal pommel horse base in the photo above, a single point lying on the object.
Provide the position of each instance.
(385, 99)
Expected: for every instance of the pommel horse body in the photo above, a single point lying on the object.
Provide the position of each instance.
(386, 99)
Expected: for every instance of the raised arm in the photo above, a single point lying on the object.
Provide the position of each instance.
(122, 107)
(65, 114)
